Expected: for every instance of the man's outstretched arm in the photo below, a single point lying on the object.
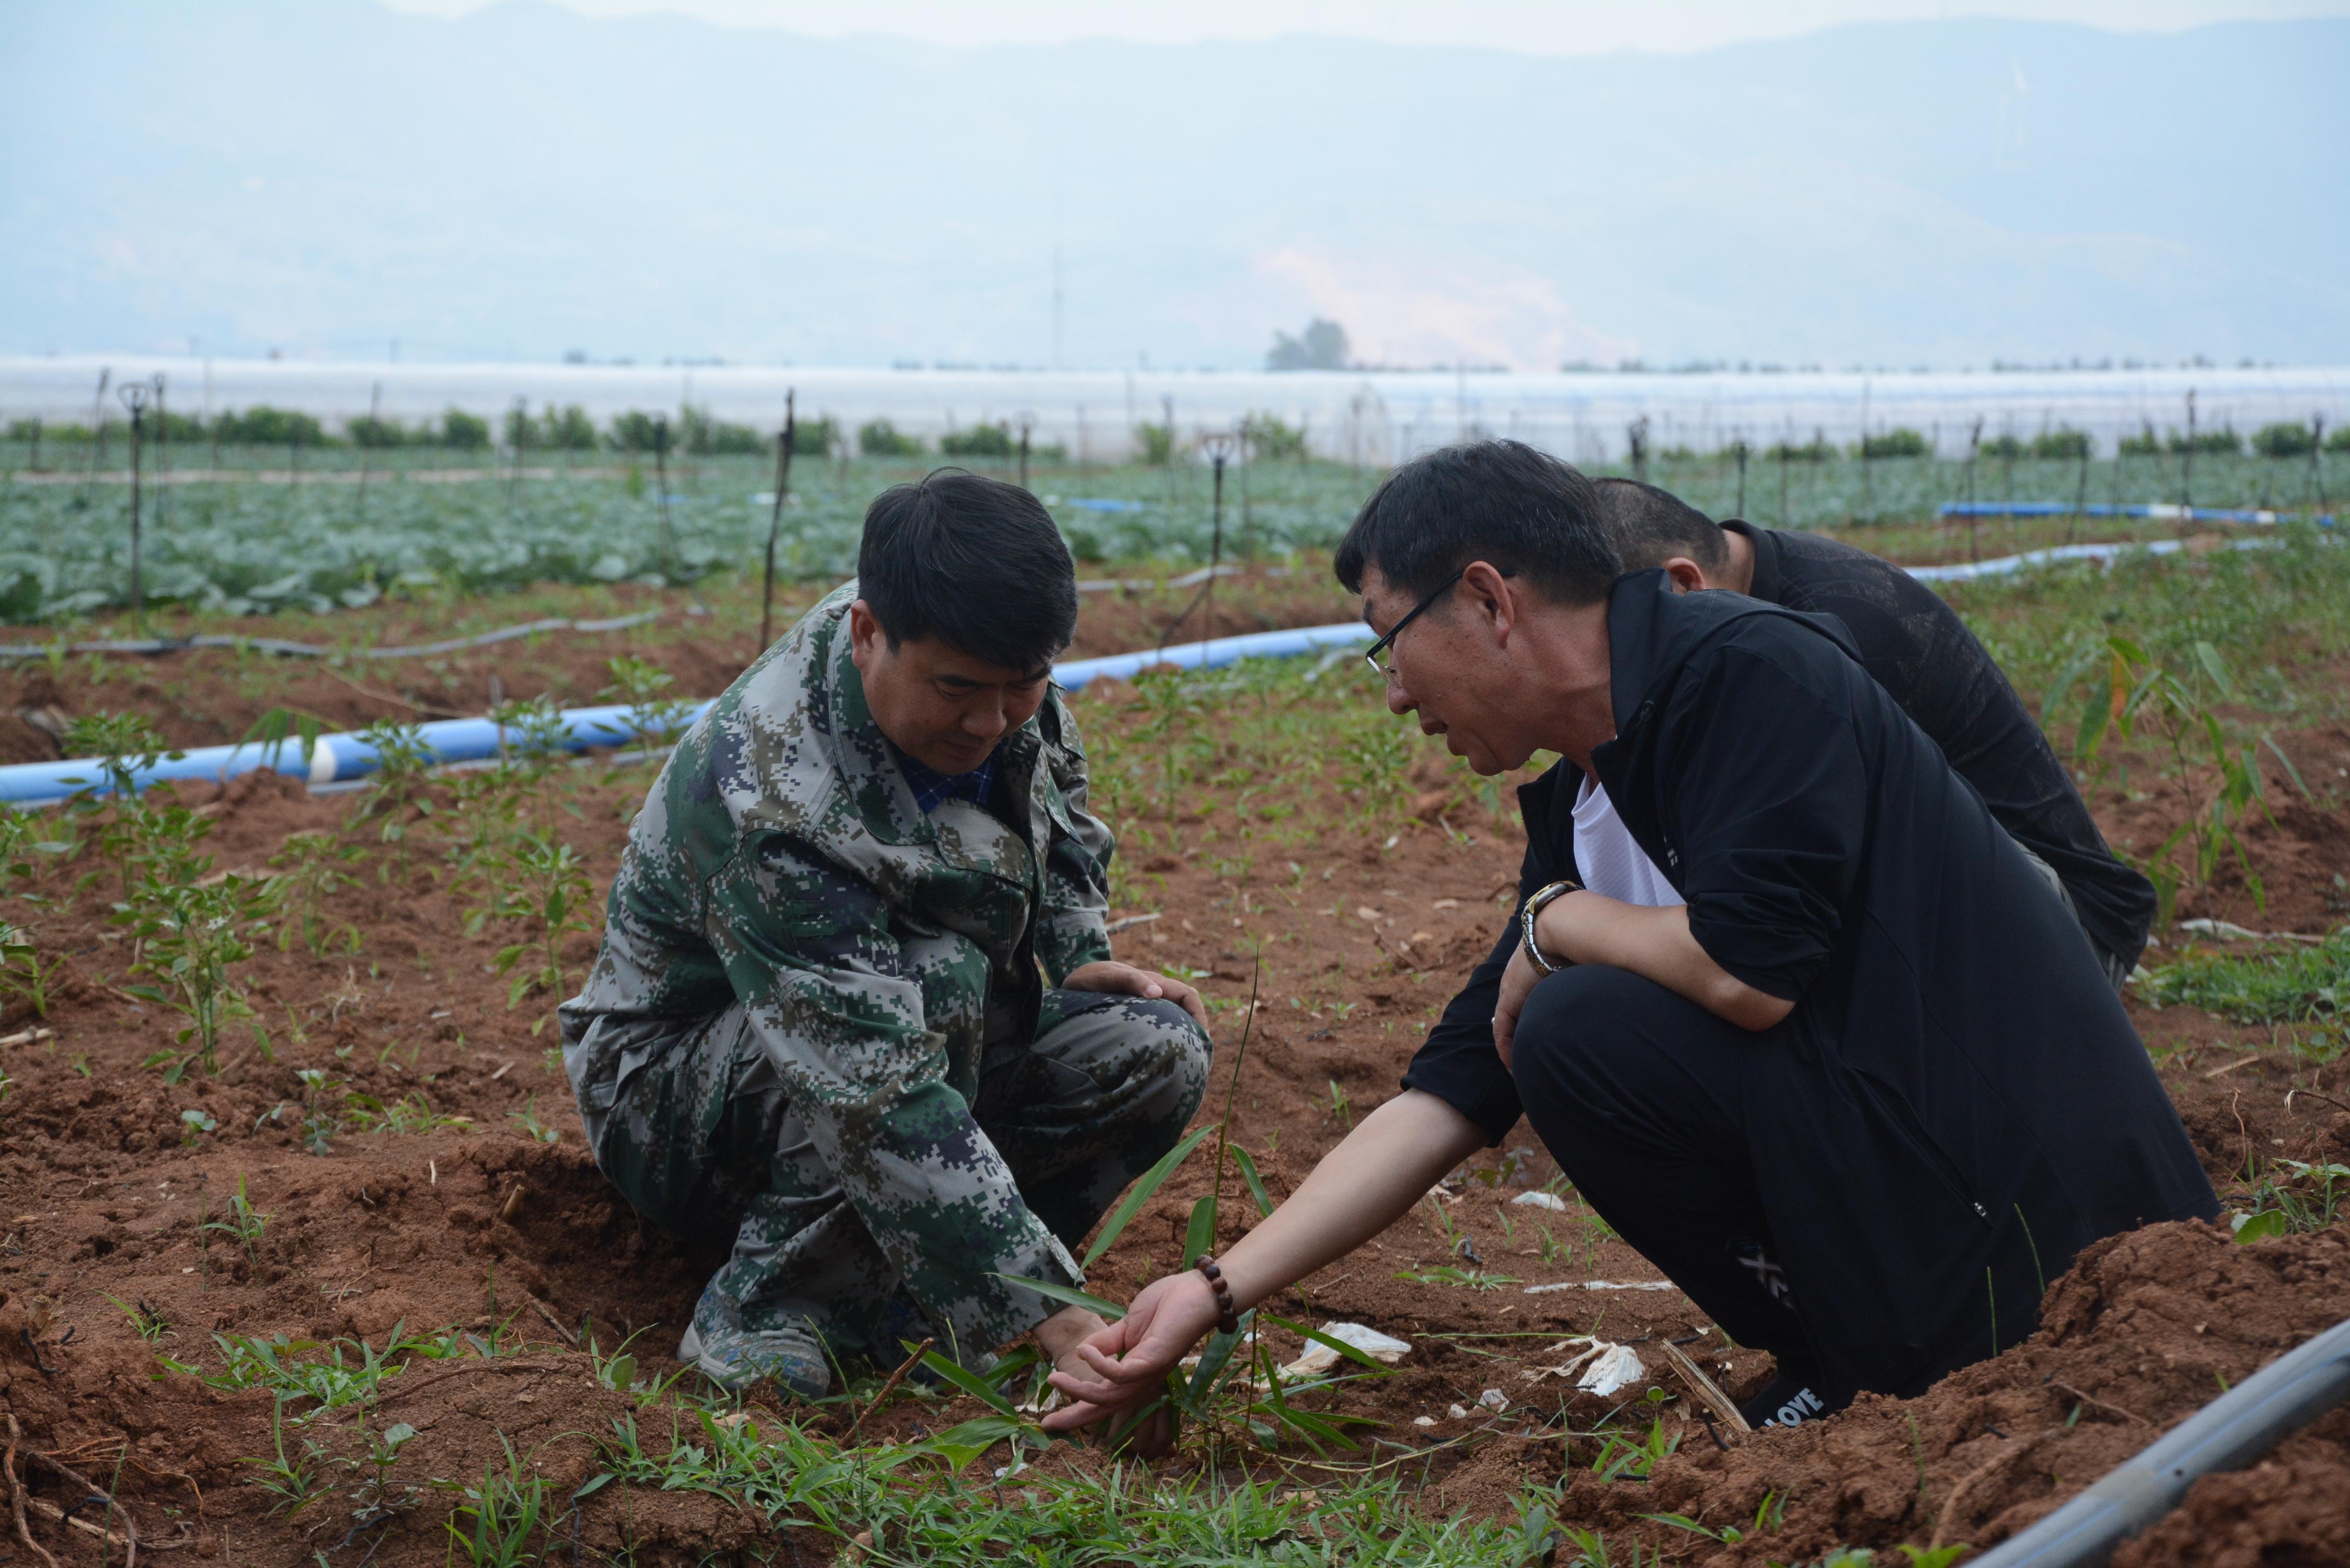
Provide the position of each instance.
(1362, 1186)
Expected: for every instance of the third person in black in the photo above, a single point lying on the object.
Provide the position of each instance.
(1939, 673)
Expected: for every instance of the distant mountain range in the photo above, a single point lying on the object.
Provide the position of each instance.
(326, 176)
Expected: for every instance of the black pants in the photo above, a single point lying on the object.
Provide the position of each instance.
(1744, 1168)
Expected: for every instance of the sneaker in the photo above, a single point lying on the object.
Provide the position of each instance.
(721, 1347)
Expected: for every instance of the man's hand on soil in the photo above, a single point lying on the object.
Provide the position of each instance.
(1124, 980)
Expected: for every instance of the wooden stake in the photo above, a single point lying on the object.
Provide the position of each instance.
(891, 1387)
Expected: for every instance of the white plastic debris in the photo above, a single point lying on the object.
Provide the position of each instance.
(1605, 1366)
(1494, 1399)
(1319, 1357)
(1550, 1201)
(1602, 1285)
(1459, 1412)
(1615, 1367)
(1423, 1420)
(2226, 930)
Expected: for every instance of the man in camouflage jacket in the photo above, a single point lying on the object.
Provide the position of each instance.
(818, 1029)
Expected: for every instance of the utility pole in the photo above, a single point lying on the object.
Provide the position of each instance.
(518, 420)
(367, 441)
(97, 432)
(2186, 463)
(784, 441)
(162, 456)
(134, 395)
(661, 490)
(1974, 445)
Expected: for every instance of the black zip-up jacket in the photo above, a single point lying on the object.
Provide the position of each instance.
(1963, 1056)
(1947, 682)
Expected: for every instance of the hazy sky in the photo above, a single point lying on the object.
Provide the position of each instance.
(1532, 26)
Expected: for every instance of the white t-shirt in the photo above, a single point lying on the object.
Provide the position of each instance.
(1613, 866)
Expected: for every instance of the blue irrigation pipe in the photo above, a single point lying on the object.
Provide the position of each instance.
(343, 757)
(2155, 511)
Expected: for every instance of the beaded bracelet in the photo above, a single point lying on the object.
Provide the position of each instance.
(1228, 1320)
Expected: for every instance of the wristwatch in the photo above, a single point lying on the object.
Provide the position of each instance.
(1534, 907)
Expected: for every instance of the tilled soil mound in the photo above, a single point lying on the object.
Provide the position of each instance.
(2146, 1329)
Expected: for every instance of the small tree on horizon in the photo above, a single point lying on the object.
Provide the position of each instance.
(1321, 346)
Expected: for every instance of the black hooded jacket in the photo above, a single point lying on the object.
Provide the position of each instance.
(1965, 1057)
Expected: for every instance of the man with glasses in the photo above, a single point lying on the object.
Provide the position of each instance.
(1783, 1001)
(817, 1036)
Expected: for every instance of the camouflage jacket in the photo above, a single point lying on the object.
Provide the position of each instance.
(780, 861)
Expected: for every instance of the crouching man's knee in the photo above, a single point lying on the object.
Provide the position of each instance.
(1171, 1074)
(1587, 1030)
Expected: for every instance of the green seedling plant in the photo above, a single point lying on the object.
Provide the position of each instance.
(548, 889)
(2285, 983)
(24, 975)
(495, 1525)
(1622, 1457)
(532, 1127)
(294, 1479)
(378, 1499)
(2307, 1197)
(291, 1369)
(243, 1224)
(400, 798)
(656, 714)
(484, 819)
(2139, 690)
(195, 1122)
(321, 1100)
(146, 1321)
(193, 938)
(1374, 772)
(412, 1113)
(123, 746)
(312, 870)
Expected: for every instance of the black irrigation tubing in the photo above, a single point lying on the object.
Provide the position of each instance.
(2228, 1434)
(159, 645)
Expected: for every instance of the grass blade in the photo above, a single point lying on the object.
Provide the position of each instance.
(2290, 771)
(1200, 1237)
(1140, 1192)
(970, 1383)
(1069, 1296)
(1247, 1164)
(1351, 1352)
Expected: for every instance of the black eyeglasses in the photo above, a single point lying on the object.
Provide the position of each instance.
(1371, 654)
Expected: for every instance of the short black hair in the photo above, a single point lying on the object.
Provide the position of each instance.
(973, 562)
(1652, 526)
(1498, 500)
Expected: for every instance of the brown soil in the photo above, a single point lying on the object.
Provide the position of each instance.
(487, 1228)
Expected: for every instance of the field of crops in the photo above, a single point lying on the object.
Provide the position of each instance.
(294, 529)
(303, 1259)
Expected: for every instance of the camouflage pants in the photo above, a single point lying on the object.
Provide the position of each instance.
(703, 1141)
